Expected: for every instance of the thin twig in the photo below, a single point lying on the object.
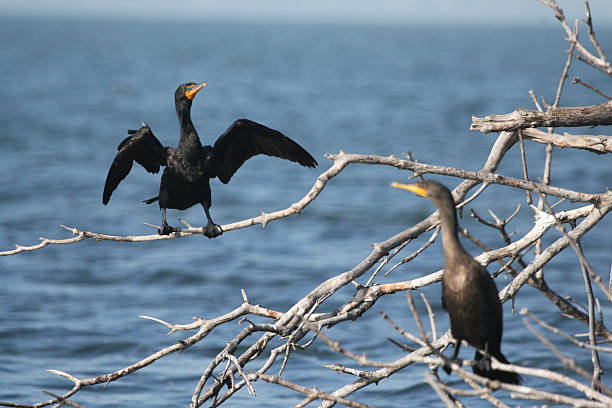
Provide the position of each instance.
(555, 330)
(576, 80)
(403, 332)
(524, 164)
(439, 391)
(311, 393)
(416, 253)
(570, 364)
(432, 317)
(589, 23)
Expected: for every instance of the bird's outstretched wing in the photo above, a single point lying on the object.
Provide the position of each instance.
(141, 146)
(245, 139)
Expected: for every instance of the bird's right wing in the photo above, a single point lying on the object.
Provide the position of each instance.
(141, 146)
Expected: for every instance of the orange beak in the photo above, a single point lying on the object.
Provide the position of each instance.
(191, 92)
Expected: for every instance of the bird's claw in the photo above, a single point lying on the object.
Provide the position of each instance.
(484, 364)
(446, 366)
(212, 230)
(167, 230)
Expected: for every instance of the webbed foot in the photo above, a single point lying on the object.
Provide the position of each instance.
(483, 365)
(167, 230)
(447, 364)
(212, 230)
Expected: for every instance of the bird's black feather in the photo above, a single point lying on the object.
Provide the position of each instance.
(245, 139)
(141, 146)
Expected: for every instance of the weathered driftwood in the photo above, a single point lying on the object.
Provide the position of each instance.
(597, 144)
(555, 117)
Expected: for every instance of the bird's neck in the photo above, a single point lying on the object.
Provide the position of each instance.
(189, 136)
(450, 241)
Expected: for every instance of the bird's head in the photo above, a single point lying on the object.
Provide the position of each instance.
(188, 91)
(433, 190)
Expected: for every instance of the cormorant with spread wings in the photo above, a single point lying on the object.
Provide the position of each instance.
(188, 168)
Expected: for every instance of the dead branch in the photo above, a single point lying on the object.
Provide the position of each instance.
(576, 80)
(554, 117)
(263, 219)
(313, 394)
(486, 177)
(597, 144)
(598, 212)
(555, 330)
(444, 394)
(600, 63)
(340, 161)
(570, 363)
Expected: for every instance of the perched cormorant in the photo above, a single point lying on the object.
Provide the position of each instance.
(185, 180)
(469, 293)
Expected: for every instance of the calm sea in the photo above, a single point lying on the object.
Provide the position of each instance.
(71, 88)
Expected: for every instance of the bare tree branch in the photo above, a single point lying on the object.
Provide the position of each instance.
(554, 117)
(599, 63)
(596, 144)
(555, 330)
(312, 394)
(576, 80)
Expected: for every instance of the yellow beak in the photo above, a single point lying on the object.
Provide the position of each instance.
(415, 188)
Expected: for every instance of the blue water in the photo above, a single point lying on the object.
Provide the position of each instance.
(71, 88)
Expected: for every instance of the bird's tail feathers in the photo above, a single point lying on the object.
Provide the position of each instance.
(151, 200)
(503, 376)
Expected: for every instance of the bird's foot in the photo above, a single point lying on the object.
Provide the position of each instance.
(167, 230)
(212, 230)
(483, 365)
(447, 364)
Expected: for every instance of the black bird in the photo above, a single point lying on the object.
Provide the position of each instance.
(469, 293)
(185, 180)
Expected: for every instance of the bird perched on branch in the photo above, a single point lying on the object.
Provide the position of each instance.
(185, 180)
(469, 293)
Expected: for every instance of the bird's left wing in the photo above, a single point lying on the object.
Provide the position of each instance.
(245, 139)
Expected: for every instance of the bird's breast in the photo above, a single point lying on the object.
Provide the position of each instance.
(456, 280)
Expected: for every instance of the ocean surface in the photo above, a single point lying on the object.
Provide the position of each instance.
(71, 88)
